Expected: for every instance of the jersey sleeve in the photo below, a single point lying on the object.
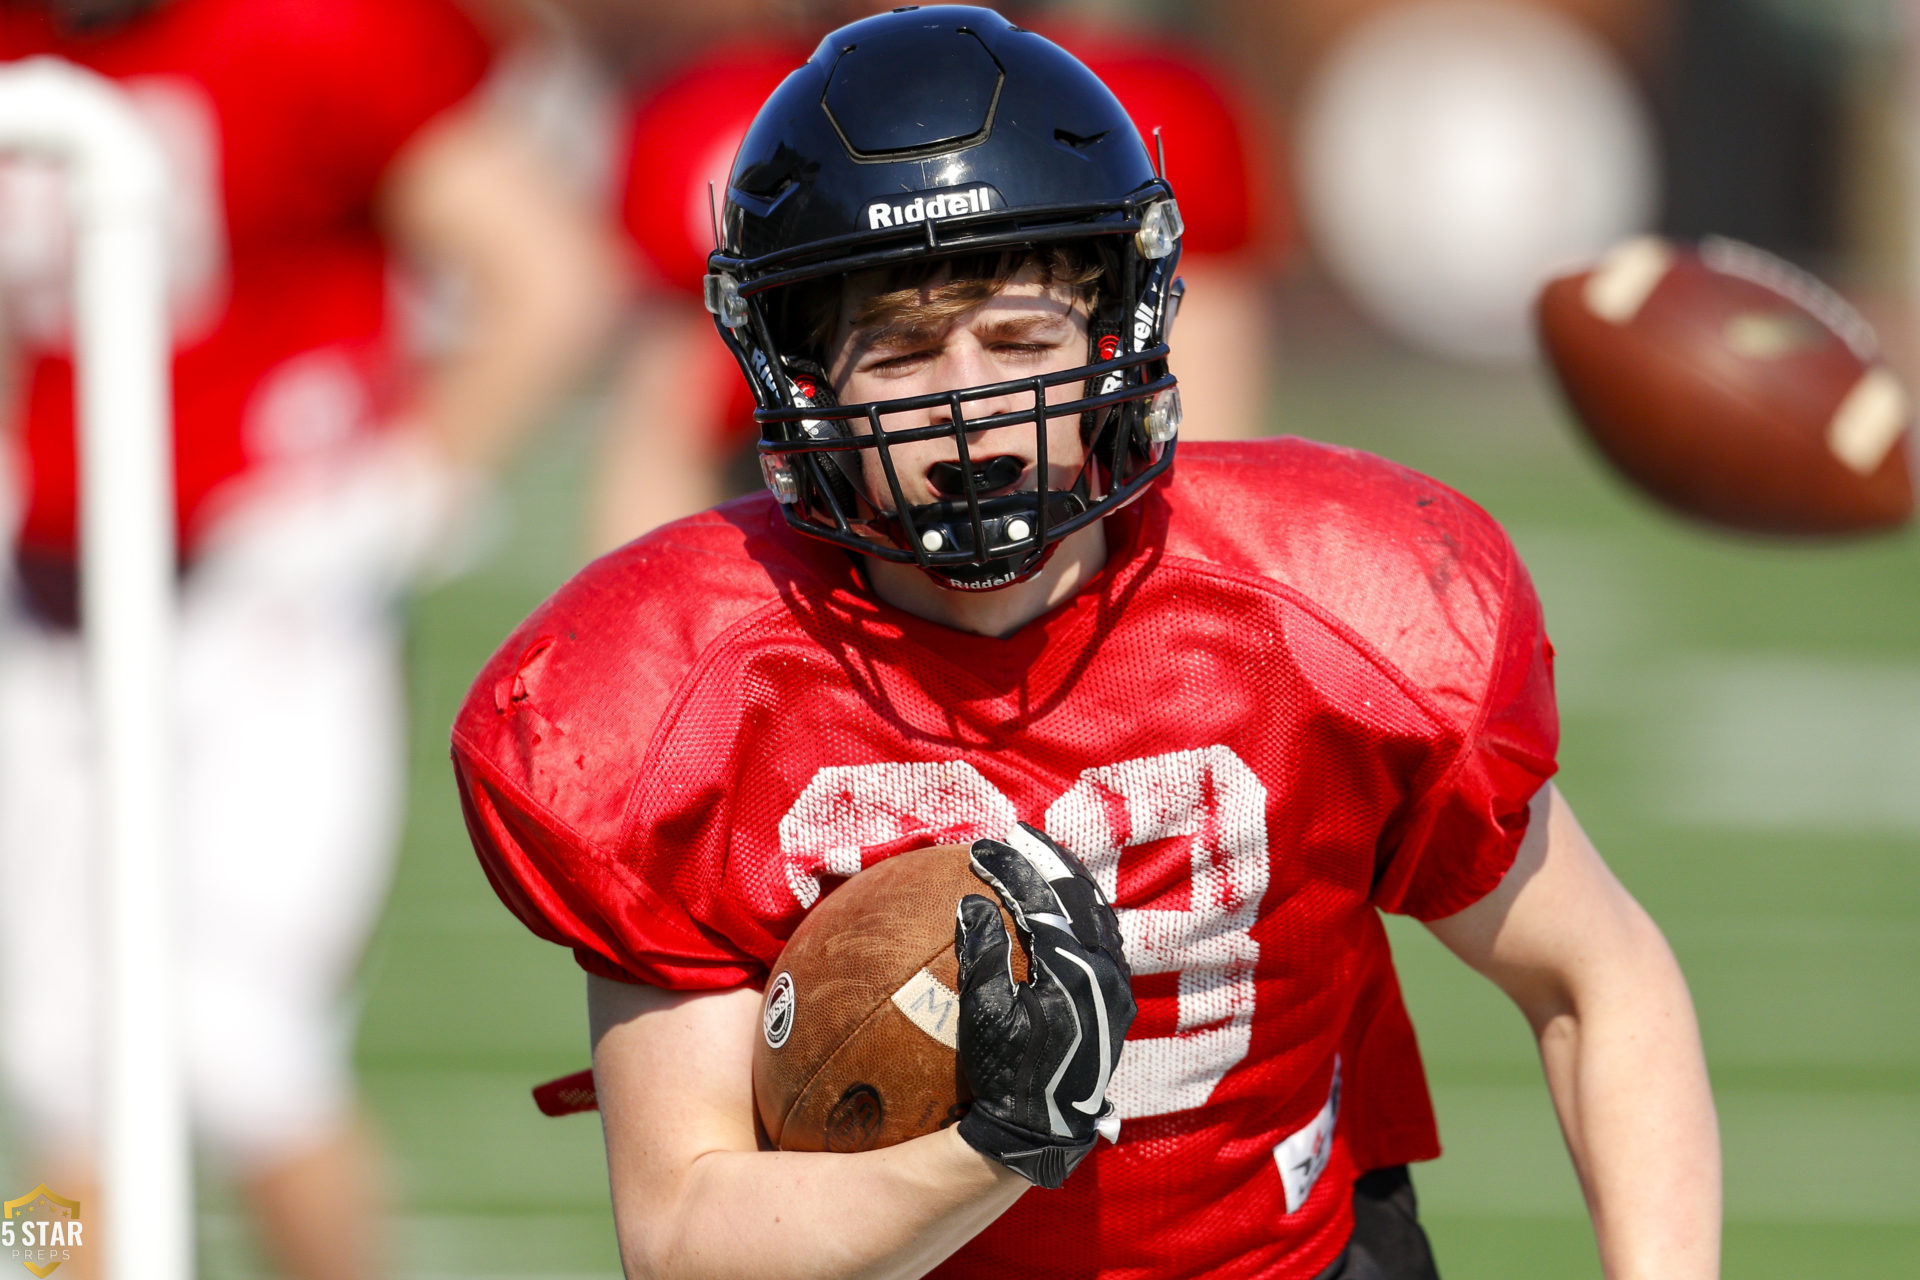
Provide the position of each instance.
(560, 751)
(1458, 838)
(569, 892)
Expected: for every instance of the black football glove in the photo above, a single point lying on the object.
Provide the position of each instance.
(1038, 1054)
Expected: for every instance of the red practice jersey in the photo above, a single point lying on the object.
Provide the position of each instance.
(1308, 686)
(279, 118)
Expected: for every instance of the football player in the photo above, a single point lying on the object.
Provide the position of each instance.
(1263, 696)
(309, 146)
(660, 463)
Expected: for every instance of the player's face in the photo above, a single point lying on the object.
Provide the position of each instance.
(1026, 329)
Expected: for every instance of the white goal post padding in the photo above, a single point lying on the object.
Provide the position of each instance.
(122, 355)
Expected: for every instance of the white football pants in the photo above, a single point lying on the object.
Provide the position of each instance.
(288, 788)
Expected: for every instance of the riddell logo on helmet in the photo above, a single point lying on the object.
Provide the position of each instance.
(936, 204)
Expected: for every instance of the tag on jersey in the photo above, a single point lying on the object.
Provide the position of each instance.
(1303, 1156)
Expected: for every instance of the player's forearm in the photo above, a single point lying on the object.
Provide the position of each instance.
(1628, 1077)
(891, 1214)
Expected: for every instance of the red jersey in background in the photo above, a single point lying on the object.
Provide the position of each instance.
(279, 119)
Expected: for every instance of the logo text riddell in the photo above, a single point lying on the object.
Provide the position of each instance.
(939, 204)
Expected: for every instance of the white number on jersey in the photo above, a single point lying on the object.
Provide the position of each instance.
(848, 809)
(1208, 800)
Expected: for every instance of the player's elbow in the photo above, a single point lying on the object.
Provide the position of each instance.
(661, 1226)
(1620, 975)
(648, 1235)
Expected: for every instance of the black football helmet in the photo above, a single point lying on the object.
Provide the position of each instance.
(920, 134)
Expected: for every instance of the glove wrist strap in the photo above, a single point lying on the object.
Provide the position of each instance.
(1044, 1160)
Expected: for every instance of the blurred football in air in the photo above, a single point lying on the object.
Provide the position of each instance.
(858, 1026)
(1732, 387)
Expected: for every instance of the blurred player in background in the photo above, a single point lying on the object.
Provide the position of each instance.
(1455, 153)
(681, 418)
(311, 146)
(1279, 45)
(1451, 155)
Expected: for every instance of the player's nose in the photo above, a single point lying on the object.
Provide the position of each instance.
(968, 365)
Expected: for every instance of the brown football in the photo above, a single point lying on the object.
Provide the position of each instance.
(857, 1026)
(1732, 387)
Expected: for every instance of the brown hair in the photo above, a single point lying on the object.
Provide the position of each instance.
(901, 298)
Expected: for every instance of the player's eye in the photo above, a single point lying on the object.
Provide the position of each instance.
(898, 362)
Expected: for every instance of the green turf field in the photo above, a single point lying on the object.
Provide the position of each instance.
(1741, 737)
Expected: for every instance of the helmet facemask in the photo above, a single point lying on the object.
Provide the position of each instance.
(977, 536)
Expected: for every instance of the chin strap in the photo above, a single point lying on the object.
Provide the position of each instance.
(1011, 523)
